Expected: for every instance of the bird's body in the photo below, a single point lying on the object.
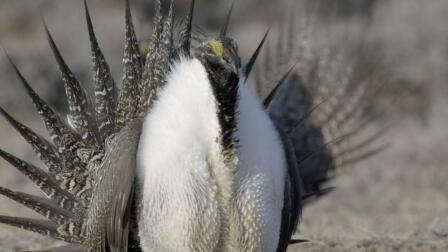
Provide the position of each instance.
(186, 159)
(196, 196)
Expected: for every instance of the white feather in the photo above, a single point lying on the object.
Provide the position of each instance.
(261, 173)
(180, 166)
(179, 207)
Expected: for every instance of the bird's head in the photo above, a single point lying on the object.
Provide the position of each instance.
(219, 55)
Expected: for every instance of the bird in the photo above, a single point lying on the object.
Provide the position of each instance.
(184, 157)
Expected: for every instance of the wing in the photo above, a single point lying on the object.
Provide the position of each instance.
(109, 220)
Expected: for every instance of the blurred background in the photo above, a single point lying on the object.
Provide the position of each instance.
(394, 201)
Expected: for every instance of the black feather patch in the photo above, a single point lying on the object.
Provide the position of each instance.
(225, 89)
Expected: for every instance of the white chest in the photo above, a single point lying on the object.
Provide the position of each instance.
(180, 167)
(260, 176)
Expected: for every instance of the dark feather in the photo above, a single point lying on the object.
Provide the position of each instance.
(43, 206)
(305, 117)
(167, 49)
(105, 93)
(267, 101)
(44, 150)
(227, 22)
(43, 180)
(68, 248)
(292, 203)
(185, 41)
(249, 66)
(314, 196)
(298, 241)
(60, 134)
(154, 73)
(80, 111)
(132, 62)
(42, 227)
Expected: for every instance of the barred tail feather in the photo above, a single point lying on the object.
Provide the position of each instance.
(43, 180)
(43, 227)
(68, 248)
(130, 88)
(81, 115)
(105, 91)
(168, 51)
(42, 206)
(185, 37)
(153, 73)
(44, 150)
(157, 64)
(60, 134)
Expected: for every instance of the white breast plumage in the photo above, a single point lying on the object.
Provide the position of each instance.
(179, 209)
(180, 161)
(261, 174)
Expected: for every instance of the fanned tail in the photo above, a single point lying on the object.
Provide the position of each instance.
(75, 155)
(308, 105)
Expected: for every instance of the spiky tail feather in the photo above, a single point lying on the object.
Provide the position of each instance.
(79, 148)
(105, 90)
(312, 110)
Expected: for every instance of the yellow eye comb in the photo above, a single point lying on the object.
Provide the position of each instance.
(217, 47)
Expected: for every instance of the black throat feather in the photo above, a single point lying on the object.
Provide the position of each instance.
(225, 89)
